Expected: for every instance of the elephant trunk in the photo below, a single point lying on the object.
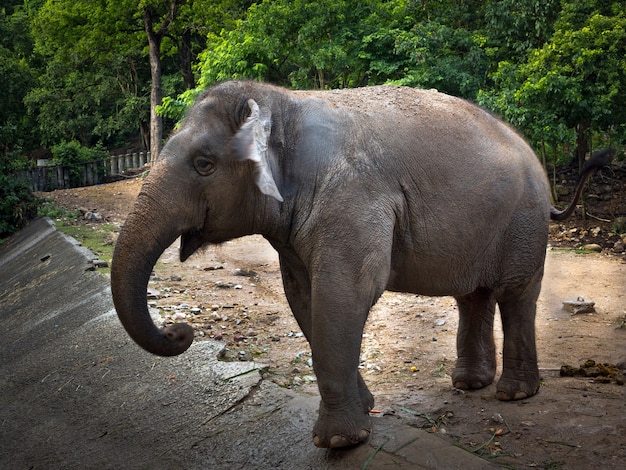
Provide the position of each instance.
(142, 240)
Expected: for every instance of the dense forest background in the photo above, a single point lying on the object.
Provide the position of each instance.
(85, 77)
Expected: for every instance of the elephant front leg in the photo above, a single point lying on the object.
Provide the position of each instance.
(339, 311)
(345, 400)
(297, 286)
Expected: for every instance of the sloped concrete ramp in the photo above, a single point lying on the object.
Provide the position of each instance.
(77, 393)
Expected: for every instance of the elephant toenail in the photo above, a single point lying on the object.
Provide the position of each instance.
(461, 385)
(363, 435)
(338, 441)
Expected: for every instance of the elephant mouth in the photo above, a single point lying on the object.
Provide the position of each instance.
(190, 242)
(193, 239)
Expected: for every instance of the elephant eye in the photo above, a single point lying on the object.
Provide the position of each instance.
(204, 166)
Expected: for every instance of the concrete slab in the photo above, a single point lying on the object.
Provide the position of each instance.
(76, 392)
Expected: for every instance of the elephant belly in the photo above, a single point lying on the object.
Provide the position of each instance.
(452, 274)
(433, 284)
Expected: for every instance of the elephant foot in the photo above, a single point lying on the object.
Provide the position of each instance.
(468, 376)
(367, 399)
(343, 428)
(337, 441)
(516, 386)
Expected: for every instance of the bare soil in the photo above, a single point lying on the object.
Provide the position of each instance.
(233, 293)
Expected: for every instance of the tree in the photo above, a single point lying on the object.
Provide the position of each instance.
(92, 86)
(573, 84)
(152, 12)
(330, 44)
(449, 59)
(298, 43)
(17, 76)
(580, 75)
(515, 27)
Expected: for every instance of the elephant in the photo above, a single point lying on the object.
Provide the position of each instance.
(359, 191)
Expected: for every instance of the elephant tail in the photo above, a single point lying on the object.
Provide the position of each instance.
(598, 160)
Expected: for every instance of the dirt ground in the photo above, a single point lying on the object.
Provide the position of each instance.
(233, 293)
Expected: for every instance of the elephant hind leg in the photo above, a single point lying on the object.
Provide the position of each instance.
(520, 373)
(476, 351)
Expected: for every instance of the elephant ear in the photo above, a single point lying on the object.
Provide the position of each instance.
(251, 143)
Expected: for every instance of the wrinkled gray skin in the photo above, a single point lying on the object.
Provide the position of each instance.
(359, 191)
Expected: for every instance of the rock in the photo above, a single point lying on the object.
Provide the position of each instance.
(596, 231)
(224, 285)
(93, 216)
(154, 294)
(618, 247)
(176, 278)
(300, 354)
(213, 268)
(580, 305)
(178, 316)
(155, 314)
(245, 272)
(593, 247)
(244, 356)
(100, 263)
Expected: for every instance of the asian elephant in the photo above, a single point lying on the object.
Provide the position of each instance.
(359, 191)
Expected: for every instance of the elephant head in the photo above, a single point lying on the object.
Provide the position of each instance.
(211, 183)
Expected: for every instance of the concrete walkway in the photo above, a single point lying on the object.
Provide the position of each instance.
(77, 393)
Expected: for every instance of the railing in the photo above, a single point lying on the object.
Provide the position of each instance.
(51, 177)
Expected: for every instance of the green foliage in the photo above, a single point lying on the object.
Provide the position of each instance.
(449, 59)
(98, 238)
(573, 83)
(298, 43)
(94, 82)
(18, 205)
(80, 71)
(579, 75)
(73, 155)
(174, 108)
(17, 76)
(72, 152)
(49, 209)
(515, 27)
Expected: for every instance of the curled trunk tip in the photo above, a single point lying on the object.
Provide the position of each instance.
(176, 340)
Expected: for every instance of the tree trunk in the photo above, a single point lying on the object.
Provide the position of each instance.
(186, 59)
(582, 144)
(156, 93)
